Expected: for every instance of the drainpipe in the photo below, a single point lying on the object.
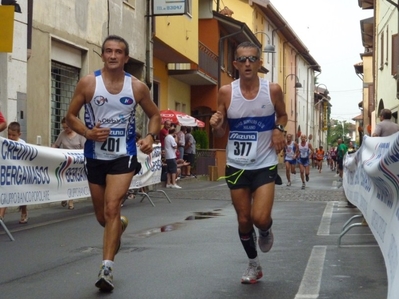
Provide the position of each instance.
(220, 47)
(273, 62)
(148, 55)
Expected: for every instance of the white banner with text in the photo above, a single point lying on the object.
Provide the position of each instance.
(371, 182)
(31, 174)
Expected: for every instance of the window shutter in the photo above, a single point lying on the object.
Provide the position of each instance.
(395, 55)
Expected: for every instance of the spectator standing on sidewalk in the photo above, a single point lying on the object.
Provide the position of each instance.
(385, 127)
(251, 168)
(170, 159)
(110, 96)
(3, 122)
(164, 131)
(181, 141)
(69, 139)
(189, 151)
(14, 132)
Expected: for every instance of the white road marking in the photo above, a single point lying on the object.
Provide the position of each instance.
(324, 227)
(310, 284)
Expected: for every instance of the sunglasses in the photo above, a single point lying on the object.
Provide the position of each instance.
(244, 58)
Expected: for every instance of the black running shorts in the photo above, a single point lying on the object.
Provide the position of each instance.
(97, 170)
(240, 178)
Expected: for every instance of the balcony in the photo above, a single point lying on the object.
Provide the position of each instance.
(205, 73)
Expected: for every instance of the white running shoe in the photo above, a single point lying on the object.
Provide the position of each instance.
(175, 186)
(252, 274)
(169, 186)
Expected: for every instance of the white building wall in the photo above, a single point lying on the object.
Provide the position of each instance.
(387, 25)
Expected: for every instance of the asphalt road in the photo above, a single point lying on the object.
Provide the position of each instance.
(190, 248)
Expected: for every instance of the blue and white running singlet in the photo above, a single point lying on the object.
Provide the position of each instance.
(115, 111)
(290, 152)
(304, 150)
(251, 124)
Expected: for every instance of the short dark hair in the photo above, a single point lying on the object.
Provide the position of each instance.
(118, 39)
(172, 130)
(14, 126)
(386, 114)
(248, 45)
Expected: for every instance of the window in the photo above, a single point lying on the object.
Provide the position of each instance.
(63, 82)
(395, 55)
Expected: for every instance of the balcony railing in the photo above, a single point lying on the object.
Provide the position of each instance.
(208, 61)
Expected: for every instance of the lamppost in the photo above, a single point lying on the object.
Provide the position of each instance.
(269, 48)
(297, 83)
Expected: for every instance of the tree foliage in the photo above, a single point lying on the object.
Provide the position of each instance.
(338, 129)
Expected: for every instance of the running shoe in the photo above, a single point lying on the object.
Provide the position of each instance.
(307, 178)
(169, 186)
(265, 240)
(289, 184)
(252, 274)
(303, 186)
(175, 186)
(124, 223)
(105, 278)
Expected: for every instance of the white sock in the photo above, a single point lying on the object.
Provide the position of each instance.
(254, 261)
(108, 263)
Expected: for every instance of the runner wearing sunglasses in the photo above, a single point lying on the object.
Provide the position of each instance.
(254, 110)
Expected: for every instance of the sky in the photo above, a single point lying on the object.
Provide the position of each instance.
(330, 29)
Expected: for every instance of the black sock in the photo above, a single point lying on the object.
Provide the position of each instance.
(265, 232)
(248, 241)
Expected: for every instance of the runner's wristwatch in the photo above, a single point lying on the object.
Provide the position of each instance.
(279, 127)
(152, 135)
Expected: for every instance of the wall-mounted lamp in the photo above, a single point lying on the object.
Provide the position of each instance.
(297, 83)
(269, 48)
(324, 90)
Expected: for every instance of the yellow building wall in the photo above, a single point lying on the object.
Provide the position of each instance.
(243, 12)
(161, 76)
(180, 32)
(179, 92)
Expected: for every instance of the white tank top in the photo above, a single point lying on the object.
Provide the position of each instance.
(304, 150)
(251, 124)
(290, 151)
(115, 111)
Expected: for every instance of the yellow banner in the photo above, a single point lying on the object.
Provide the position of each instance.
(6, 27)
(325, 111)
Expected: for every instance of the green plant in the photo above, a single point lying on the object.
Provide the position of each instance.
(201, 139)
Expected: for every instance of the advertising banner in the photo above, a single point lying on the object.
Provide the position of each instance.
(371, 182)
(31, 174)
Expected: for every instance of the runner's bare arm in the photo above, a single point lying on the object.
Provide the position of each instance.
(143, 98)
(218, 120)
(276, 94)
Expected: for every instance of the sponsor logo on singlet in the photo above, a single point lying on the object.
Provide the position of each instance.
(242, 136)
(126, 101)
(100, 100)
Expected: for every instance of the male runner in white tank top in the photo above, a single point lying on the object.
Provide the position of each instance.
(290, 155)
(254, 110)
(110, 97)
